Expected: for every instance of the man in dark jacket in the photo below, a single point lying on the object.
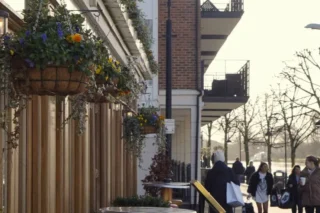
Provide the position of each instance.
(217, 179)
(249, 171)
(238, 169)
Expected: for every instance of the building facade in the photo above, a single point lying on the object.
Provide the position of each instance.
(54, 169)
(199, 30)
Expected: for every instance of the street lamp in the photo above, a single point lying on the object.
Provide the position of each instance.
(228, 141)
(3, 22)
(317, 123)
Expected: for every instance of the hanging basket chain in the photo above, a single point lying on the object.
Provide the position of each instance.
(38, 16)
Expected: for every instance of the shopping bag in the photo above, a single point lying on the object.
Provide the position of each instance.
(286, 201)
(274, 200)
(234, 195)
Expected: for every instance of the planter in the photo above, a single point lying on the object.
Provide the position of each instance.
(149, 130)
(52, 80)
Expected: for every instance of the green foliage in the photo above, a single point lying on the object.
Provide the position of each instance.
(146, 201)
(138, 21)
(133, 130)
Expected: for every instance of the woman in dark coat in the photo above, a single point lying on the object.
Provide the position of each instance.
(217, 179)
(293, 186)
(260, 186)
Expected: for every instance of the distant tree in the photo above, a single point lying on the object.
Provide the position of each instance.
(247, 125)
(268, 122)
(209, 128)
(227, 124)
(298, 121)
(303, 76)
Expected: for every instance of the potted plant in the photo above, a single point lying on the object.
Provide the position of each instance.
(146, 201)
(52, 54)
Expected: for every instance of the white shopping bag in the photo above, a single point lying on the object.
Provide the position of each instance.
(234, 195)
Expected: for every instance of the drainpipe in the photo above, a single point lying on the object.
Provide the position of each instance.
(199, 89)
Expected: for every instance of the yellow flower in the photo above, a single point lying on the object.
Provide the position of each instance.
(11, 52)
(69, 38)
(118, 69)
(98, 70)
(110, 60)
(107, 77)
(117, 63)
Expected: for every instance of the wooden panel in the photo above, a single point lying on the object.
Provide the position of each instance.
(22, 162)
(104, 154)
(60, 157)
(29, 155)
(36, 158)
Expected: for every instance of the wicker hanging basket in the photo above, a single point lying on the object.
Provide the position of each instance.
(149, 130)
(53, 80)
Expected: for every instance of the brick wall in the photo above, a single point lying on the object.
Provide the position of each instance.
(183, 16)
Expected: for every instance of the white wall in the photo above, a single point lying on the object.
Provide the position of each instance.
(150, 8)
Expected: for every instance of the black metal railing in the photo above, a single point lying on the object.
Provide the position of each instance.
(223, 84)
(222, 5)
(181, 173)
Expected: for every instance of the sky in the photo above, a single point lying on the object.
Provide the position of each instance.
(269, 33)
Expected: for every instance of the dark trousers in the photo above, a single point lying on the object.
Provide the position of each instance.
(294, 209)
(312, 209)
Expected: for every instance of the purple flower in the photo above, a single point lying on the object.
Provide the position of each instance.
(6, 37)
(21, 41)
(77, 29)
(28, 33)
(44, 37)
(29, 62)
(59, 30)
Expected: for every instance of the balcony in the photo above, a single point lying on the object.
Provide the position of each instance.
(225, 91)
(218, 19)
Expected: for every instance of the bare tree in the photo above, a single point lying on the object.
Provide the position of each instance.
(297, 121)
(268, 122)
(209, 127)
(246, 124)
(303, 77)
(227, 124)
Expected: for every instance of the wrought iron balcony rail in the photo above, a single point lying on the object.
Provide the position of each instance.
(223, 84)
(222, 6)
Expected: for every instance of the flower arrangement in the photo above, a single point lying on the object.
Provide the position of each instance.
(134, 129)
(52, 49)
(138, 21)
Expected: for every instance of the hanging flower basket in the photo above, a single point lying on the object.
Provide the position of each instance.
(53, 80)
(97, 98)
(149, 130)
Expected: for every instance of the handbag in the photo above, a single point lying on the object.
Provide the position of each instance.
(234, 195)
(286, 200)
(274, 200)
(247, 208)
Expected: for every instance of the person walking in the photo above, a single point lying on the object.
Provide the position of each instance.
(217, 179)
(249, 171)
(310, 185)
(260, 186)
(293, 185)
(238, 170)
